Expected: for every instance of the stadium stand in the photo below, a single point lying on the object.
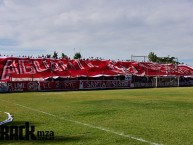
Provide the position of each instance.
(49, 69)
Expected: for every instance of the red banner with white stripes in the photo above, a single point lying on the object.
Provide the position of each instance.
(12, 69)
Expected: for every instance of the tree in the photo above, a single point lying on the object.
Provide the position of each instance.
(77, 55)
(152, 57)
(172, 60)
(55, 55)
(64, 56)
(48, 56)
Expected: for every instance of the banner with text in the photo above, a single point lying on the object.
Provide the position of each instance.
(22, 86)
(104, 84)
(3, 87)
(59, 85)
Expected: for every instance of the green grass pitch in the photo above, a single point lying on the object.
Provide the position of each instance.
(105, 117)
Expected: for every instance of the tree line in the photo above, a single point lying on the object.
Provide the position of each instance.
(77, 55)
(154, 58)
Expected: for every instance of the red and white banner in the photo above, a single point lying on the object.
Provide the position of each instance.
(104, 84)
(59, 85)
(12, 69)
(34, 69)
(22, 86)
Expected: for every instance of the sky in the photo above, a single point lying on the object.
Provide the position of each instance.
(111, 29)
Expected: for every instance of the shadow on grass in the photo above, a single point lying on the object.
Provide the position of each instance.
(22, 123)
(57, 139)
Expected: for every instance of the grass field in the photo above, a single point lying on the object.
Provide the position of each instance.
(105, 117)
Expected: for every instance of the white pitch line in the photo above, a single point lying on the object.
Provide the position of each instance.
(9, 118)
(86, 124)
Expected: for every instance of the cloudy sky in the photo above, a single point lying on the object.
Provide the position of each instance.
(112, 29)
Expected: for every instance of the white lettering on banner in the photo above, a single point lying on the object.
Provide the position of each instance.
(59, 85)
(38, 67)
(22, 86)
(111, 66)
(70, 84)
(9, 67)
(46, 85)
(3, 87)
(90, 64)
(105, 84)
(16, 86)
(79, 64)
(46, 64)
(64, 66)
(26, 68)
(55, 66)
(32, 86)
(72, 66)
(23, 67)
(14, 67)
(20, 66)
(138, 85)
